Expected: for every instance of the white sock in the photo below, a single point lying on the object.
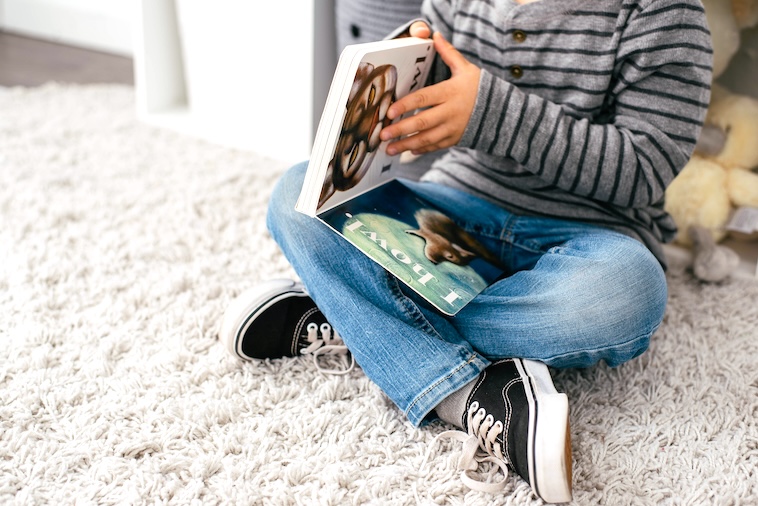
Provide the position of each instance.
(452, 407)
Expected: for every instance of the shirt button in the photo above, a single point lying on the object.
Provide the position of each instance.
(519, 36)
(517, 71)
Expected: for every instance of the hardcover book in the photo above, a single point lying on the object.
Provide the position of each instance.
(352, 184)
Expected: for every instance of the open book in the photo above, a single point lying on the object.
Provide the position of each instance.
(352, 184)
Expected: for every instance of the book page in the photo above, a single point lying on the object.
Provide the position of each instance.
(417, 243)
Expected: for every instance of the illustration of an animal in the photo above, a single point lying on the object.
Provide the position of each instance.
(371, 95)
(447, 242)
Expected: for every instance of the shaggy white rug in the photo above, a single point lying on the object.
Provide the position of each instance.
(120, 247)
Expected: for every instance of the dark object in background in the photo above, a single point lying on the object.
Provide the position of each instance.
(370, 20)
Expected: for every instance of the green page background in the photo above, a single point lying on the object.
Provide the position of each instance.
(388, 212)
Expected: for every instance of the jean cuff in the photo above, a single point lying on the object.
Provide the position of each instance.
(459, 377)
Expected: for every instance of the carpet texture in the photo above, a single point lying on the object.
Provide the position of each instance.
(120, 247)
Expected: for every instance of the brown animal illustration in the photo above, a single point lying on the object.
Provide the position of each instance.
(370, 97)
(447, 242)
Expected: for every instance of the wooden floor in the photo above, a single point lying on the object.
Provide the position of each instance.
(26, 61)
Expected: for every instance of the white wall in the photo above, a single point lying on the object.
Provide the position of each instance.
(104, 25)
(249, 74)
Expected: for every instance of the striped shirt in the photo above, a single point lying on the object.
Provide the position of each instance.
(586, 109)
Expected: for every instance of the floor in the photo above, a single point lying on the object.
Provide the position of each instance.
(26, 61)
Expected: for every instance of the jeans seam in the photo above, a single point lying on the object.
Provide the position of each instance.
(413, 312)
(410, 308)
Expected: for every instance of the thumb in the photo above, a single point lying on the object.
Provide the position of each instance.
(451, 56)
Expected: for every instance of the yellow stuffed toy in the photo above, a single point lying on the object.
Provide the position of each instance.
(718, 179)
(720, 176)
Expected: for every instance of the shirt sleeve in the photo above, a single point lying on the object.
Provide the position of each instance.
(653, 113)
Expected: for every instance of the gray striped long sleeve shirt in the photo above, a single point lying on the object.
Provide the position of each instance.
(586, 109)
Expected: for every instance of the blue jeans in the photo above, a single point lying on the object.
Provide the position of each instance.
(575, 295)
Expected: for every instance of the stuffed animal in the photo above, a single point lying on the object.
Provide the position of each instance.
(719, 176)
(717, 179)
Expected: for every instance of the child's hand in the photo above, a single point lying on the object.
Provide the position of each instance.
(450, 104)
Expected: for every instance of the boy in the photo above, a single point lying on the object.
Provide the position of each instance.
(565, 120)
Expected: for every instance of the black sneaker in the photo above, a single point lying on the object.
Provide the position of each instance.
(276, 319)
(515, 417)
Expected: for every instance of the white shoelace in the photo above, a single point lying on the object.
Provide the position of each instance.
(479, 445)
(328, 343)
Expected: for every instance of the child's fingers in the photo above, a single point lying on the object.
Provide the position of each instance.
(422, 142)
(427, 129)
(425, 97)
(445, 107)
(424, 120)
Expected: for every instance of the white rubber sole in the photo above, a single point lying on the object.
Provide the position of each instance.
(549, 454)
(248, 305)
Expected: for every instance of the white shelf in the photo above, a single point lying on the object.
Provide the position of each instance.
(248, 75)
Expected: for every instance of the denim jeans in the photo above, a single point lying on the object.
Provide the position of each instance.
(574, 295)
